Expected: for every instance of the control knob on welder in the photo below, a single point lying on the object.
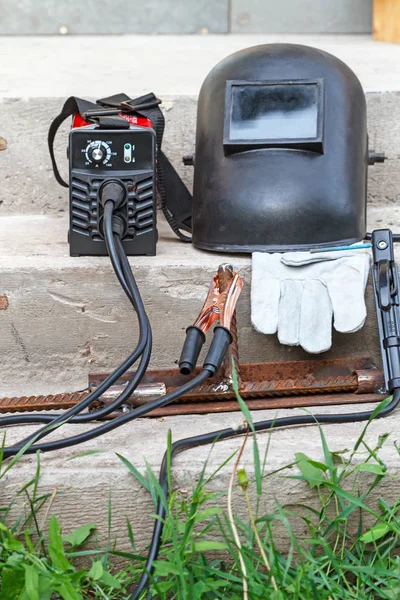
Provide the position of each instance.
(98, 151)
(97, 154)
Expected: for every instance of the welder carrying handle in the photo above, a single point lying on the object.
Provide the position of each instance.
(385, 279)
(219, 306)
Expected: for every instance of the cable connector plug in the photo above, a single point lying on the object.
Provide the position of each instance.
(113, 191)
(119, 226)
(194, 341)
(219, 345)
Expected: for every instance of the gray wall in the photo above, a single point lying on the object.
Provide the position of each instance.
(184, 16)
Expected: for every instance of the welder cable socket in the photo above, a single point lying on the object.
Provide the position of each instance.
(219, 306)
(113, 191)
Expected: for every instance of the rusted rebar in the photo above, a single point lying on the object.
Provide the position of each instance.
(272, 384)
(43, 402)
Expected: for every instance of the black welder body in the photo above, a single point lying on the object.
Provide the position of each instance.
(126, 156)
(281, 163)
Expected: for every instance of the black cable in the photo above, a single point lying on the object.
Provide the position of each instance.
(140, 411)
(223, 434)
(109, 238)
(145, 338)
(125, 273)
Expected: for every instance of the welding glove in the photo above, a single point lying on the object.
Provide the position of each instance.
(297, 294)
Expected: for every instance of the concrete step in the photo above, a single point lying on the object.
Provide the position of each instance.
(85, 484)
(38, 73)
(63, 317)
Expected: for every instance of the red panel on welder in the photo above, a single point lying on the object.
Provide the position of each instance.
(79, 121)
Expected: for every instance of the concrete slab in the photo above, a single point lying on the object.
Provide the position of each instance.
(61, 66)
(85, 484)
(169, 16)
(159, 16)
(301, 16)
(66, 317)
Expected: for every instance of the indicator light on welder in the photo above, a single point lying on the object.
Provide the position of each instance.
(128, 153)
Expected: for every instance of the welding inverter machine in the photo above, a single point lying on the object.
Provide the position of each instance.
(280, 165)
(117, 140)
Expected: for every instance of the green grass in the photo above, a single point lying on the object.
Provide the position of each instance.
(349, 550)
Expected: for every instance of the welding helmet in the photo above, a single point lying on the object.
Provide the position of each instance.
(281, 152)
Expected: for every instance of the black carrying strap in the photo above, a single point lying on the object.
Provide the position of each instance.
(175, 198)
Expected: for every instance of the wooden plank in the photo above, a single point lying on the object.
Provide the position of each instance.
(386, 20)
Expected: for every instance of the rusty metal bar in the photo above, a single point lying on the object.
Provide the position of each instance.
(263, 385)
(368, 380)
(275, 379)
(143, 393)
(37, 403)
(201, 408)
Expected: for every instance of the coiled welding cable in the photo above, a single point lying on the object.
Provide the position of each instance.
(224, 434)
(143, 350)
(124, 272)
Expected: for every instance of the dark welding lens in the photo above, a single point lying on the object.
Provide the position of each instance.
(274, 112)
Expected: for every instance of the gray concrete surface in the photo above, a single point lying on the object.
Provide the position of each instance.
(185, 16)
(301, 16)
(105, 17)
(85, 483)
(39, 66)
(66, 317)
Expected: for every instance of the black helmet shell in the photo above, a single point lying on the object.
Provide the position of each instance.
(281, 152)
